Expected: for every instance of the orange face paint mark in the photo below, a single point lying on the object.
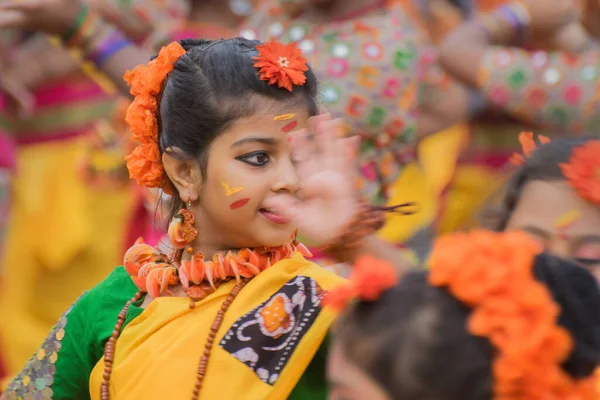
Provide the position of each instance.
(284, 117)
(231, 191)
(289, 127)
(239, 203)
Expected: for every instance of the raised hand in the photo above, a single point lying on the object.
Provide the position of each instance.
(548, 16)
(51, 16)
(326, 165)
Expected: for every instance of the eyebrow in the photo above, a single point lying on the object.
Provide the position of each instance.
(263, 140)
(583, 239)
(535, 231)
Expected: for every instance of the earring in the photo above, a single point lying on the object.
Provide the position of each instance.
(181, 229)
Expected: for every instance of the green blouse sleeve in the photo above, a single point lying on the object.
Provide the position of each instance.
(61, 368)
(553, 89)
(313, 383)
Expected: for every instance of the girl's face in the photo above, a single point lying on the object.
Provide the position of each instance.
(249, 165)
(563, 222)
(347, 381)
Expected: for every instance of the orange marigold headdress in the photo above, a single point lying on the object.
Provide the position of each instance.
(369, 278)
(493, 274)
(528, 145)
(281, 64)
(583, 171)
(146, 81)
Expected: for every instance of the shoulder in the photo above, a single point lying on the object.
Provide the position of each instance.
(326, 278)
(116, 289)
(61, 367)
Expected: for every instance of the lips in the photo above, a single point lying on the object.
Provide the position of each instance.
(275, 217)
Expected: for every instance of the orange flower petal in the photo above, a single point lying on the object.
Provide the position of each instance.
(583, 171)
(281, 65)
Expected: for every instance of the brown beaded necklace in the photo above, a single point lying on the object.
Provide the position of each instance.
(109, 349)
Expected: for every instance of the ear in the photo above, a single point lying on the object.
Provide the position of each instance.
(184, 174)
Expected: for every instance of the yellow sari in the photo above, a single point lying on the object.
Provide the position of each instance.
(268, 337)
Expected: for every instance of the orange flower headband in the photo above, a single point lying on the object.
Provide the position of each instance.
(493, 274)
(582, 171)
(277, 63)
(369, 278)
(528, 145)
(144, 162)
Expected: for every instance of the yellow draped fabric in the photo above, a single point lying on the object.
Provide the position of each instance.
(424, 182)
(157, 354)
(64, 236)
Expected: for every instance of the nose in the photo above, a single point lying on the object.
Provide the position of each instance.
(287, 177)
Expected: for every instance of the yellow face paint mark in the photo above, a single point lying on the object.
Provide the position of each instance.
(284, 117)
(567, 219)
(231, 191)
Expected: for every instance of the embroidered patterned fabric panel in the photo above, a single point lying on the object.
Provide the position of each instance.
(265, 338)
(369, 69)
(36, 379)
(552, 89)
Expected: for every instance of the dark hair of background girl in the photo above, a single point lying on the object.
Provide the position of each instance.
(413, 341)
(211, 86)
(542, 165)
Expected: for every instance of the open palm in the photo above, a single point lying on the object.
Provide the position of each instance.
(325, 162)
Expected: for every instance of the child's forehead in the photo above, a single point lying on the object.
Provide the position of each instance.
(274, 107)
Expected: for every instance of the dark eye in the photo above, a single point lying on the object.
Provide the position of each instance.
(588, 262)
(257, 158)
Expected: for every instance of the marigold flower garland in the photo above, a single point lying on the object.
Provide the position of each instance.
(146, 81)
(493, 274)
(583, 171)
(369, 278)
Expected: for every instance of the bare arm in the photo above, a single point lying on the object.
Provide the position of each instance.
(463, 50)
(444, 101)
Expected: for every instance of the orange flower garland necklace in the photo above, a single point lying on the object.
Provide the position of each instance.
(153, 272)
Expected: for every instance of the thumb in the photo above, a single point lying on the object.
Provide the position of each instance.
(287, 206)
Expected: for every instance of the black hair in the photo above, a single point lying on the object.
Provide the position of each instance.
(211, 86)
(543, 164)
(414, 343)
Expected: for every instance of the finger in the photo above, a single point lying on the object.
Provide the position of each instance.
(20, 5)
(12, 19)
(285, 205)
(350, 147)
(20, 95)
(303, 154)
(329, 139)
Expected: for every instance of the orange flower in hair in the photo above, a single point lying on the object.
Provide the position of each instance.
(528, 145)
(281, 64)
(146, 81)
(492, 273)
(369, 278)
(144, 164)
(583, 171)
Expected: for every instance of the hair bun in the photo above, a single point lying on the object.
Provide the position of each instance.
(577, 293)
